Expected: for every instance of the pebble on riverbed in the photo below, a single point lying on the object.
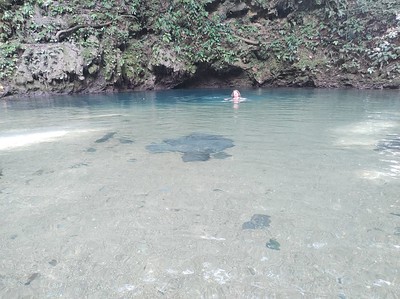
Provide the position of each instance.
(273, 244)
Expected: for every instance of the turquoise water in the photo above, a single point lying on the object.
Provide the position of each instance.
(87, 211)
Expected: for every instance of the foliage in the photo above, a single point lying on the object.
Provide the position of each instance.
(8, 58)
(384, 53)
(112, 63)
(353, 35)
(358, 38)
(134, 67)
(14, 21)
(187, 26)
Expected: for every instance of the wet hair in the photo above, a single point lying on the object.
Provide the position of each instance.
(237, 92)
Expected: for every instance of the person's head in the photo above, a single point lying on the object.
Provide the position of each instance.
(235, 94)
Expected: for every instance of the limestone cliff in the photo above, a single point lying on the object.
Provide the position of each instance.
(96, 46)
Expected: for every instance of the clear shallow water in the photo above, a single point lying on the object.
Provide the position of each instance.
(109, 219)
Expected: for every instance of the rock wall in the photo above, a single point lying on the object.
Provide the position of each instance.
(215, 44)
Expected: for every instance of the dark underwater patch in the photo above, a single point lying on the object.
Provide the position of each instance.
(390, 143)
(194, 147)
(31, 278)
(106, 137)
(273, 244)
(78, 165)
(195, 156)
(125, 141)
(53, 262)
(257, 221)
(221, 155)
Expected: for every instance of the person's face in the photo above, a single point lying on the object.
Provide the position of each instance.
(235, 94)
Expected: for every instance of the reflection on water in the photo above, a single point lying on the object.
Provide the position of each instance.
(305, 204)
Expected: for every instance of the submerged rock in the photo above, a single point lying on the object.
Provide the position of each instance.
(53, 262)
(31, 278)
(195, 156)
(257, 221)
(273, 244)
(221, 155)
(194, 147)
(125, 141)
(106, 137)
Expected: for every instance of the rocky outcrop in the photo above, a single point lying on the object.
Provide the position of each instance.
(47, 65)
(163, 45)
(56, 67)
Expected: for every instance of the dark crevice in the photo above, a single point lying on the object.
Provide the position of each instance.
(206, 76)
(213, 6)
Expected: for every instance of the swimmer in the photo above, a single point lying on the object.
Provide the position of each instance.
(236, 97)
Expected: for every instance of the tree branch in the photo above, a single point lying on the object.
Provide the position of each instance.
(62, 33)
(248, 41)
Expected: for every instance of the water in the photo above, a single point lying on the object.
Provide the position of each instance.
(88, 212)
